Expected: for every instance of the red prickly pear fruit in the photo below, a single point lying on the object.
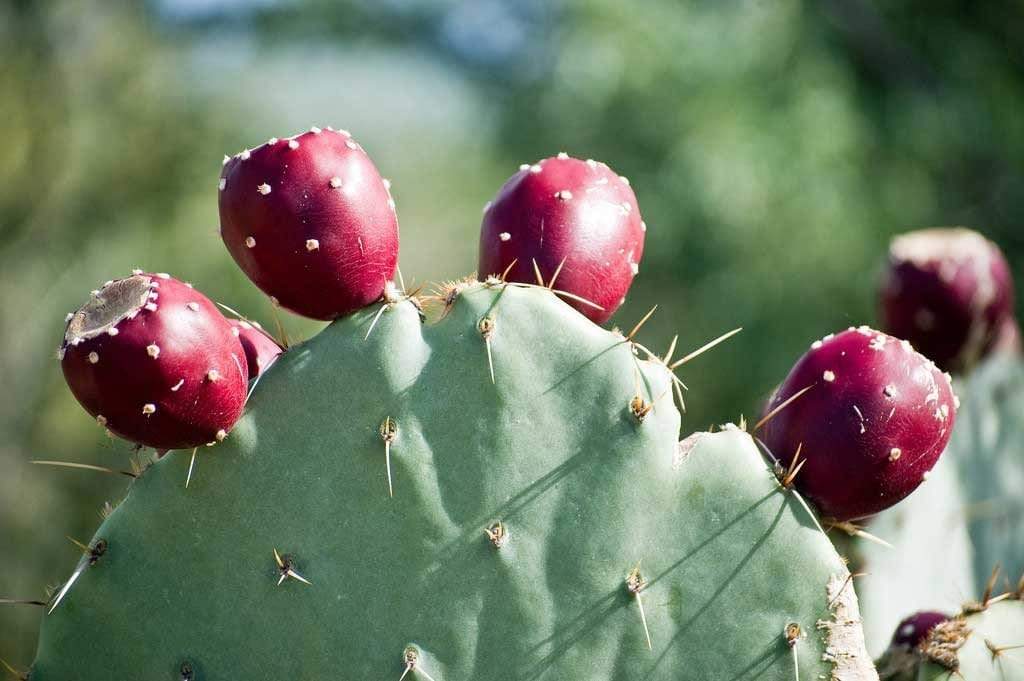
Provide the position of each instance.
(559, 209)
(155, 362)
(912, 631)
(872, 424)
(311, 222)
(260, 349)
(948, 291)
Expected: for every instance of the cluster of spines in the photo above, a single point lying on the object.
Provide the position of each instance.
(945, 639)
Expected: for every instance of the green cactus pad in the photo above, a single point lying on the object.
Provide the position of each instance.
(966, 517)
(983, 646)
(553, 450)
(930, 522)
(987, 447)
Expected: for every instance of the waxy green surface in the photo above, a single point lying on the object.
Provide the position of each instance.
(987, 448)
(551, 449)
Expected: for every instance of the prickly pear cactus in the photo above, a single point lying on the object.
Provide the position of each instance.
(987, 448)
(984, 645)
(928, 563)
(546, 525)
(965, 518)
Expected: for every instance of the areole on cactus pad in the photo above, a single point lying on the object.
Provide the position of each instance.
(542, 526)
(913, 630)
(980, 643)
(904, 655)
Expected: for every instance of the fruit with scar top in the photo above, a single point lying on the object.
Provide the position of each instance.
(154, 361)
(948, 291)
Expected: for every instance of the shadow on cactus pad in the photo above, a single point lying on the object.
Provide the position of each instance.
(542, 526)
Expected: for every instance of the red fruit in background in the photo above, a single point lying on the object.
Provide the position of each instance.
(311, 222)
(565, 208)
(948, 291)
(154, 361)
(260, 349)
(874, 422)
(912, 631)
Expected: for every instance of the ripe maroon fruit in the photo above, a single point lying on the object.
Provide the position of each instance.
(154, 361)
(559, 209)
(949, 292)
(311, 222)
(873, 422)
(914, 629)
(260, 349)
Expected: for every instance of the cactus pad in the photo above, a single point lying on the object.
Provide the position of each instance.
(988, 451)
(980, 646)
(541, 525)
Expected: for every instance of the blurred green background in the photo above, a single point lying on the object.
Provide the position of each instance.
(774, 147)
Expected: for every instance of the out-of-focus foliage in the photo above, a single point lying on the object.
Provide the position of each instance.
(101, 144)
(774, 148)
